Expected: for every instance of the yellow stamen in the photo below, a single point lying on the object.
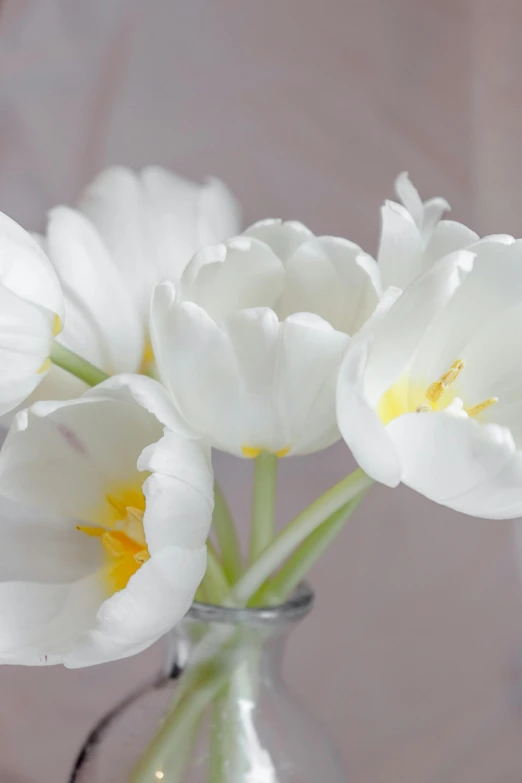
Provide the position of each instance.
(91, 530)
(120, 507)
(147, 360)
(251, 451)
(437, 389)
(45, 366)
(57, 325)
(123, 539)
(481, 406)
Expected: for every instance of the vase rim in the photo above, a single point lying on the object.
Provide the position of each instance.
(296, 607)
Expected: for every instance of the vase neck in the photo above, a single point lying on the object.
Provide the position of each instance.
(231, 635)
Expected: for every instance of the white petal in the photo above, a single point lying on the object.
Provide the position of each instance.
(499, 497)
(308, 360)
(40, 621)
(399, 334)
(157, 596)
(177, 513)
(254, 382)
(38, 547)
(154, 222)
(241, 273)
(25, 270)
(219, 213)
(147, 393)
(433, 211)
(183, 459)
(444, 454)
(104, 315)
(114, 202)
(197, 364)
(284, 237)
(333, 278)
(447, 237)
(358, 422)
(494, 285)
(26, 334)
(409, 196)
(65, 457)
(400, 247)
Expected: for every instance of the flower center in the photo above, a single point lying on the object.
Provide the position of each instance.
(124, 543)
(405, 397)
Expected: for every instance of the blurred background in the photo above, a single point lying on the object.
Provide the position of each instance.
(307, 110)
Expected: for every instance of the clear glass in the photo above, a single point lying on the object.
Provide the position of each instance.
(221, 714)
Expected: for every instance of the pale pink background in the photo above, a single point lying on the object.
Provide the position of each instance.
(308, 110)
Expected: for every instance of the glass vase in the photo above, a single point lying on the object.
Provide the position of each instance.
(221, 714)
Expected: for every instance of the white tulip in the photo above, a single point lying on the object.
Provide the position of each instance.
(113, 557)
(434, 397)
(31, 305)
(132, 231)
(250, 342)
(413, 236)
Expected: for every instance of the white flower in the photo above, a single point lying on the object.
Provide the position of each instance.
(133, 230)
(113, 557)
(31, 307)
(434, 398)
(413, 236)
(250, 342)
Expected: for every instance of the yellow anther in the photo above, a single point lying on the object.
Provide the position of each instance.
(251, 451)
(437, 389)
(147, 360)
(91, 530)
(120, 507)
(57, 325)
(45, 366)
(482, 406)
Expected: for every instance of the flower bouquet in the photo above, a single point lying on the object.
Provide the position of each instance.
(144, 331)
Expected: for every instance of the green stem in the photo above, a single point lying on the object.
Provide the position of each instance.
(196, 691)
(226, 533)
(215, 584)
(278, 589)
(295, 534)
(81, 368)
(263, 505)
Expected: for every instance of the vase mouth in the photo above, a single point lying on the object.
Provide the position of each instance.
(296, 607)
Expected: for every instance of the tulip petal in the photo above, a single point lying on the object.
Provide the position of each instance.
(197, 364)
(157, 596)
(447, 236)
(283, 237)
(154, 222)
(65, 457)
(179, 493)
(102, 323)
(446, 454)
(398, 336)
(359, 423)
(334, 279)
(25, 270)
(41, 547)
(494, 286)
(240, 273)
(499, 497)
(400, 247)
(147, 393)
(40, 621)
